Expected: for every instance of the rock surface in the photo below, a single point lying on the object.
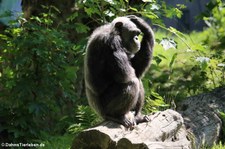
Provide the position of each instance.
(201, 116)
(165, 130)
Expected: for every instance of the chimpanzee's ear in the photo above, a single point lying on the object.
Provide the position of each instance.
(118, 25)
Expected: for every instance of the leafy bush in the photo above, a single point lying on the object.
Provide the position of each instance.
(184, 69)
(215, 18)
(37, 79)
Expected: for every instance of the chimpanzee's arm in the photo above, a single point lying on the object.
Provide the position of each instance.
(142, 58)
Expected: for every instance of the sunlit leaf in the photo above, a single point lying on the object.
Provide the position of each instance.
(134, 9)
(168, 43)
(202, 59)
(155, 7)
(81, 28)
(109, 13)
(173, 59)
(198, 47)
(157, 59)
(221, 65)
(147, 1)
(203, 62)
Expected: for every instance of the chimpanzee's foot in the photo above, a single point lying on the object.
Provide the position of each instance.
(127, 120)
(141, 118)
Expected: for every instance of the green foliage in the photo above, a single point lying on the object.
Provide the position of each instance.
(85, 118)
(37, 79)
(154, 102)
(218, 146)
(215, 18)
(58, 142)
(222, 117)
(214, 39)
(95, 13)
(184, 65)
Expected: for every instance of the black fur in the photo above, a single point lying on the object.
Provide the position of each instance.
(114, 64)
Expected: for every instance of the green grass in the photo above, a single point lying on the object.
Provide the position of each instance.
(218, 146)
